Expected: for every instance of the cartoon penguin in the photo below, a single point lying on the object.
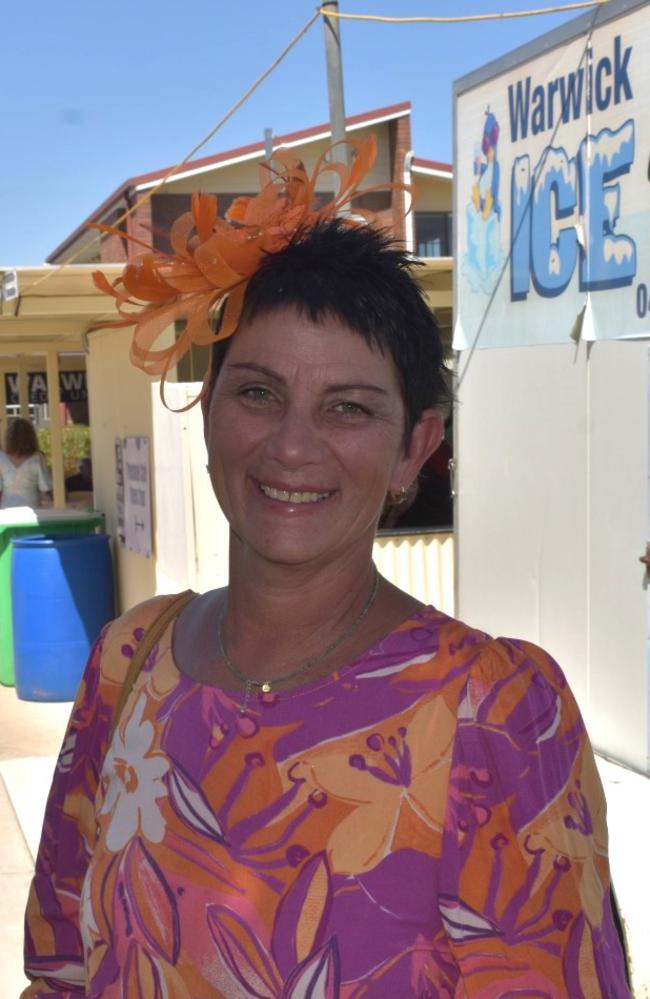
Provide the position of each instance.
(485, 190)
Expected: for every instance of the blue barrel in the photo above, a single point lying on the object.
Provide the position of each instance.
(62, 596)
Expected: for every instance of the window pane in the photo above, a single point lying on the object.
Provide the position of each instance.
(433, 234)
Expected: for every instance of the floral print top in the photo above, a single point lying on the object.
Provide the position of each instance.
(426, 822)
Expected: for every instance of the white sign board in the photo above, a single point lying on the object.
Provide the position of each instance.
(137, 495)
(552, 192)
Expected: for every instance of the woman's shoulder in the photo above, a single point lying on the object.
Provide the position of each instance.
(491, 658)
(497, 671)
(443, 637)
(29, 460)
(127, 631)
(514, 685)
(518, 666)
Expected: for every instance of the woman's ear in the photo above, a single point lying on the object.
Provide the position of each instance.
(425, 439)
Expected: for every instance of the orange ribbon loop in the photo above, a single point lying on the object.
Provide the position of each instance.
(213, 259)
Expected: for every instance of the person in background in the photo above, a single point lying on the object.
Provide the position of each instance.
(82, 480)
(24, 477)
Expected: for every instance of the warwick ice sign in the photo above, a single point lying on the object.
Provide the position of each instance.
(544, 247)
(570, 96)
(553, 209)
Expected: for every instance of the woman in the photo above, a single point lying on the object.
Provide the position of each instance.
(24, 477)
(318, 786)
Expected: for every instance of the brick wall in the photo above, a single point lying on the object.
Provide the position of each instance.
(139, 226)
(400, 143)
(113, 249)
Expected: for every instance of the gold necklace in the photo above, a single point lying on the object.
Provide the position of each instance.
(266, 685)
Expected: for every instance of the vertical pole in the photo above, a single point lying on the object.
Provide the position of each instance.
(56, 436)
(3, 405)
(268, 143)
(23, 387)
(334, 79)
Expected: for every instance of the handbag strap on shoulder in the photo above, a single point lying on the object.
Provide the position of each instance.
(146, 644)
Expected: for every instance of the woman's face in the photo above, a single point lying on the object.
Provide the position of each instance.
(305, 436)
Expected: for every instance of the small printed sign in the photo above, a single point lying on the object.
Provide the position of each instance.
(137, 495)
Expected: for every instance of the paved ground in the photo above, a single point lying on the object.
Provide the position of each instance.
(30, 736)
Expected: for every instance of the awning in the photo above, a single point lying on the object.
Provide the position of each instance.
(46, 311)
(53, 308)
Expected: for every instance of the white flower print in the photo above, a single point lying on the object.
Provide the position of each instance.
(132, 780)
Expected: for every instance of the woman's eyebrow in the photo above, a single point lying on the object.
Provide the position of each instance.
(352, 386)
(260, 369)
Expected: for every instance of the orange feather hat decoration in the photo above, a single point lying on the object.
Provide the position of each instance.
(213, 258)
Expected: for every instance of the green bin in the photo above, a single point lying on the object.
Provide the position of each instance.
(18, 522)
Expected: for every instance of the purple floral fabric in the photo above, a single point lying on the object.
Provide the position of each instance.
(426, 822)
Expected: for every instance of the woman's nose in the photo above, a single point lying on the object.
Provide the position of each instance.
(295, 440)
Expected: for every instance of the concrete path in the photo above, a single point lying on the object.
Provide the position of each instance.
(30, 737)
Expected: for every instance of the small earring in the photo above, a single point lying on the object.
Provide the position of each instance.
(398, 497)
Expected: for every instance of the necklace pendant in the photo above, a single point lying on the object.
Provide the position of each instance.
(265, 685)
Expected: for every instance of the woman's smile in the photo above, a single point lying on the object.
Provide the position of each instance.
(292, 495)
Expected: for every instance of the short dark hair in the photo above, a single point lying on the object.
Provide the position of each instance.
(21, 439)
(359, 275)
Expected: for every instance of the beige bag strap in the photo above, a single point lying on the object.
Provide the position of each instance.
(146, 644)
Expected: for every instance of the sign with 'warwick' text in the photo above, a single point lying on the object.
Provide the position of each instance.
(72, 387)
(552, 195)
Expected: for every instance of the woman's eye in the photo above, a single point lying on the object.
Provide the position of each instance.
(347, 408)
(255, 393)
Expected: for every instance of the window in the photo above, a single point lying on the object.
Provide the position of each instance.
(433, 234)
(165, 209)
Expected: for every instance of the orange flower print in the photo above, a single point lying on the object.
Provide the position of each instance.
(393, 780)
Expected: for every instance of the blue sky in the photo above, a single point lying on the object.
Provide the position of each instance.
(96, 93)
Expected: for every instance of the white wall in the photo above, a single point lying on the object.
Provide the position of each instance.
(619, 688)
(552, 515)
(119, 406)
(191, 531)
(433, 194)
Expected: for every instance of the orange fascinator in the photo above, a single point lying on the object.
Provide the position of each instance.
(213, 258)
